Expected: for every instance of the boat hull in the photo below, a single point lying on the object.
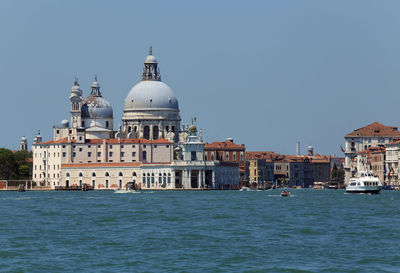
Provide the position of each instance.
(371, 190)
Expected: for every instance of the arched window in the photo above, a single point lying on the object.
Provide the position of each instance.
(134, 174)
(120, 174)
(68, 175)
(144, 155)
(93, 174)
(212, 156)
(146, 132)
(80, 174)
(107, 174)
(155, 132)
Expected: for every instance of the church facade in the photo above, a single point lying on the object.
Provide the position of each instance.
(149, 148)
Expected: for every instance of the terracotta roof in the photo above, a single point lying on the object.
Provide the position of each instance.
(223, 145)
(261, 155)
(375, 129)
(372, 150)
(112, 141)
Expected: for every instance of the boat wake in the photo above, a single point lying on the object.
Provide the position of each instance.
(125, 191)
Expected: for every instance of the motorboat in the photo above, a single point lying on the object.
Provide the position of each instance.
(365, 182)
(245, 189)
(285, 193)
(319, 185)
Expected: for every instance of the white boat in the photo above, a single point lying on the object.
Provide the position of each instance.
(124, 191)
(365, 182)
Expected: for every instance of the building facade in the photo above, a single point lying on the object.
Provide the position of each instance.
(372, 135)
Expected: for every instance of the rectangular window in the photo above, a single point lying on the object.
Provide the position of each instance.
(193, 155)
(133, 153)
(64, 154)
(89, 154)
(98, 153)
(110, 146)
(167, 146)
(133, 146)
(89, 146)
(122, 154)
(155, 146)
(80, 149)
(122, 146)
(110, 153)
(73, 154)
(144, 146)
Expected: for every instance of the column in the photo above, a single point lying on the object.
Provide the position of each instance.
(200, 179)
(213, 179)
(189, 180)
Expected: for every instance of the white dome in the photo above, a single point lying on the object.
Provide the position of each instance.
(76, 91)
(65, 123)
(151, 94)
(150, 60)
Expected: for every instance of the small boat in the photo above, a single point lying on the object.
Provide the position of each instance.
(318, 185)
(245, 189)
(21, 188)
(285, 193)
(365, 182)
(124, 191)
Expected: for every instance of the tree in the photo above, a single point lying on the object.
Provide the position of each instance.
(337, 174)
(8, 164)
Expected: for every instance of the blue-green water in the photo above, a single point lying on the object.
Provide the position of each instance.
(202, 231)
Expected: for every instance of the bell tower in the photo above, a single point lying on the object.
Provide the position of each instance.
(76, 104)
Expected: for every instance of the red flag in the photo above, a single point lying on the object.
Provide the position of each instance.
(341, 148)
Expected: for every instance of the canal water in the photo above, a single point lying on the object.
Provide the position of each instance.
(200, 231)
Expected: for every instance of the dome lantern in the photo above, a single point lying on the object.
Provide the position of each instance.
(95, 87)
(151, 72)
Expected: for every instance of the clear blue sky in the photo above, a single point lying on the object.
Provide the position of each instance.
(267, 73)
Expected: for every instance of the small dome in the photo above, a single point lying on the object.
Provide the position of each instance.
(96, 107)
(193, 128)
(151, 94)
(65, 123)
(95, 83)
(150, 60)
(23, 138)
(76, 90)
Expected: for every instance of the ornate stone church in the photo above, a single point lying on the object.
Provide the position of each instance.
(149, 149)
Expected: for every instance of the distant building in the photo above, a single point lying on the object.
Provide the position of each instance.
(292, 170)
(227, 151)
(261, 171)
(392, 163)
(372, 135)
